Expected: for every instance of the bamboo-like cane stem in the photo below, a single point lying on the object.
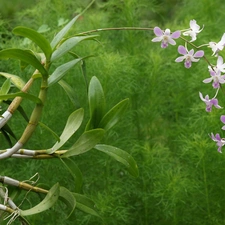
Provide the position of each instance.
(36, 114)
(13, 182)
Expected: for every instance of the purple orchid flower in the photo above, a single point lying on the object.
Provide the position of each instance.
(219, 141)
(165, 37)
(189, 56)
(216, 77)
(209, 102)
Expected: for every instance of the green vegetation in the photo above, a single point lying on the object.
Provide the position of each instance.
(165, 129)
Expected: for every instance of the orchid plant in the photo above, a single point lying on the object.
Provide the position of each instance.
(100, 120)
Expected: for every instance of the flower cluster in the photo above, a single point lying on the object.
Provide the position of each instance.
(166, 38)
(216, 72)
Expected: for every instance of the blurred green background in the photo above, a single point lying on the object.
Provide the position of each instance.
(166, 128)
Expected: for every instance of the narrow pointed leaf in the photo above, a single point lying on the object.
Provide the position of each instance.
(59, 36)
(36, 37)
(5, 87)
(75, 172)
(86, 142)
(85, 204)
(68, 198)
(120, 156)
(25, 56)
(6, 136)
(7, 129)
(68, 44)
(114, 115)
(33, 98)
(60, 71)
(96, 100)
(16, 80)
(49, 200)
(73, 123)
(70, 92)
(50, 130)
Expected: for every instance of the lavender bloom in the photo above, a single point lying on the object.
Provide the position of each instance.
(216, 77)
(209, 102)
(222, 118)
(216, 47)
(193, 31)
(219, 141)
(165, 37)
(189, 56)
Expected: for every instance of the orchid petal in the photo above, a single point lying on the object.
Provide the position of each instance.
(157, 39)
(222, 118)
(176, 34)
(187, 64)
(171, 41)
(207, 80)
(219, 60)
(201, 96)
(191, 52)
(158, 31)
(182, 50)
(179, 59)
(199, 54)
(194, 59)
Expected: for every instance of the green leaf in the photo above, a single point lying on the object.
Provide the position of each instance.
(33, 98)
(50, 130)
(60, 71)
(86, 142)
(68, 198)
(73, 123)
(96, 100)
(68, 44)
(5, 87)
(36, 37)
(114, 115)
(49, 200)
(75, 172)
(85, 204)
(69, 91)
(7, 129)
(6, 136)
(120, 156)
(59, 36)
(16, 80)
(25, 56)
